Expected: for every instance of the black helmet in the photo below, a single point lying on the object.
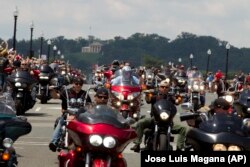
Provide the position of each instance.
(116, 62)
(78, 80)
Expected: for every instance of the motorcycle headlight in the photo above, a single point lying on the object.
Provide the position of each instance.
(202, 87)
(219, 147)
(164, 116)
(43, 77)
(149, 76)
(7, 142)
(130, 97)
(196, 87)
(18, 84)
(109, 142)
(121, 97)
(189, 86)
(233, 148)
(95, 140)
(96, 74)
(118, 103)
(63, 72)
(229, 98)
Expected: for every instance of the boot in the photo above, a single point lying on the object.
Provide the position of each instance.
(135, 148)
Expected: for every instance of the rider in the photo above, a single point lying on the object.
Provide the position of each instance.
(73, 96)
(127, 72)
(144, 123)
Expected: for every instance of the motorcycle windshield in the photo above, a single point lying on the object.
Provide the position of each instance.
(7, 106)
(125, 78)
(244, 98)
(46, 69)
(222, 122)
(21, 76)
(102, 114)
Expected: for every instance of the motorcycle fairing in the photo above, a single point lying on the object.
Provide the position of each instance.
(221, 128)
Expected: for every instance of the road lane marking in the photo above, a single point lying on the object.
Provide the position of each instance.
(38, 109)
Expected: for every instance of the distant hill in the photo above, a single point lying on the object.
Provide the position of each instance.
(139, 46)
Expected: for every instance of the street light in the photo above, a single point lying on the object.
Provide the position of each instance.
(208, 59)
(15, 21)
(31, 35)
(54, 49)
(58, 53)
(49, 43)
(191, 59)
(227, 47)
(41, 46)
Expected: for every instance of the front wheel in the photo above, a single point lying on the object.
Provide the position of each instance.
(19, 107)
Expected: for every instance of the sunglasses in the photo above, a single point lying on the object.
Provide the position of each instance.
(23, 64)
(79, 84)
(102, 97)
(166, 87)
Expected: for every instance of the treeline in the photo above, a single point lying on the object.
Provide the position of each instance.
(147, 48)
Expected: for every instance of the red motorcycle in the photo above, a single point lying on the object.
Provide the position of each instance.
(98, 137)
(125, 94)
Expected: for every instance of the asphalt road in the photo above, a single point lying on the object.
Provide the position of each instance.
(33, 150)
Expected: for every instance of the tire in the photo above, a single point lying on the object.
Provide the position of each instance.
(163, 142)
(19, 107)
(44, 100)
(196, 104)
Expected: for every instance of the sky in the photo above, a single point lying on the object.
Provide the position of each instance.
(227, 20)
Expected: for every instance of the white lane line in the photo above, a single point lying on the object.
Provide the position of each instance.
(38, 109)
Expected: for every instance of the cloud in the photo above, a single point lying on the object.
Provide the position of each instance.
(224, 19)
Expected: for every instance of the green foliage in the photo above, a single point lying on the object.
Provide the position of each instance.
(148, 49)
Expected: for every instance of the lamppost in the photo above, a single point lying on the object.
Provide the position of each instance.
(227, 47)
(208, 59)
(54, 49)
(41, 46)
(58, 53)
(191, 59)
(49, 43)
(31, 35)
(15, 21)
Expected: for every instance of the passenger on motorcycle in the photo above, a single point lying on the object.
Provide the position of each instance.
(76, 96)
(162, 93)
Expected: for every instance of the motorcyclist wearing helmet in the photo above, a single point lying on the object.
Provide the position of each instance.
(74, 97)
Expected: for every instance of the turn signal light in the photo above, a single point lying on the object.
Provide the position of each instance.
(5, 156)
(107, 85)
(78, 149)
(120, 156)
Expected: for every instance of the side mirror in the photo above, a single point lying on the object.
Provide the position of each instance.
(246, 122)
(187, 106)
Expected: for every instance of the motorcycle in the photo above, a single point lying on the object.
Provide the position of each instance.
(11, 128)
(47, 77)
(99, 138)
(221, 132)
(21, 83)
(125, 94)
(196, 92)
(158, 137)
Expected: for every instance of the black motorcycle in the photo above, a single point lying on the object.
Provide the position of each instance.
(158, 137)
(218, 132)
(21, 83)
(47, 77)
(11, 128)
